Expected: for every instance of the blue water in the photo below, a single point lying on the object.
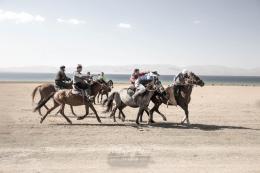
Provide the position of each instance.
(122, 78)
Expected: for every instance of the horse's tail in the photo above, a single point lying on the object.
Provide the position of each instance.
(43, 102)
(109, 101)
(34, 92)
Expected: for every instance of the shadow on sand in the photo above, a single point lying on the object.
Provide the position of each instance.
(167, 125)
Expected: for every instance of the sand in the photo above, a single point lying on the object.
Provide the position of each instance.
(224, 136)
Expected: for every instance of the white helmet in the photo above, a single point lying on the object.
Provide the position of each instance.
(185, 71)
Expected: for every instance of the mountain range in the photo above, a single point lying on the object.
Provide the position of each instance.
(127, 69)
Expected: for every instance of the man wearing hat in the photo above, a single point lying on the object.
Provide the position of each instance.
(61, 79)
(79, 80)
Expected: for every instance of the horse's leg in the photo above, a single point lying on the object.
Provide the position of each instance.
(101, 98)
(123, 115)
(86, 114)
(63, 114)
(186, 115)
(87, 109)
(94, 110)
(141, 116)
(40, 112)
(98, 97)
(46, 107)
(162, 115)
(72, 110)
(114, 112)
(186, 118)
(49, 111)
(138, 115)
(156, 109)
(150, 121)
(119, 115)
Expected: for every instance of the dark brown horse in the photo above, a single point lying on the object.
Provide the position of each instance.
(182, 99)
(105, 91)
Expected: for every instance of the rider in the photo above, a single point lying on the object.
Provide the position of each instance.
(101, 77)
(90, 78)
(61, 80)
(136, 81)
(79, 81)
(179, 80)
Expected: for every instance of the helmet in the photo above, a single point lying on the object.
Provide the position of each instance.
(185, 71)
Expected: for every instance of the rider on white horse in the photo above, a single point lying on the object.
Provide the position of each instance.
(141, 82)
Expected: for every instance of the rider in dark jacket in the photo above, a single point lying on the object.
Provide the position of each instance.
(61, 80)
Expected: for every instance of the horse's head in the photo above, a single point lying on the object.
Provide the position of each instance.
(170, 97)
(150, 86)
(195, 80)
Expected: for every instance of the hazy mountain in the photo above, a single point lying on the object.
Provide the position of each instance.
(126, 69)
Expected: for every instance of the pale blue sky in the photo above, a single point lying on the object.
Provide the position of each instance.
(122, 32)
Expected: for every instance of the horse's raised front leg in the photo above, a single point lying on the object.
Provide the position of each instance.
(156, 109)
(49, 111)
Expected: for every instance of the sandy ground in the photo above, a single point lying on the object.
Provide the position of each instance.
(224, 137)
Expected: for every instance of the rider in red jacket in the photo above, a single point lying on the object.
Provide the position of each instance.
(136, 74)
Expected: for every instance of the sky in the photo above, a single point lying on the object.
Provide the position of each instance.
(123, 32)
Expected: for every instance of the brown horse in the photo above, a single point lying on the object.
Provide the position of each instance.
(105, 91)
(183, 99)
(65, 96)
(45, 90)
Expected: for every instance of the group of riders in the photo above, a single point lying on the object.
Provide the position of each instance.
(138, 79)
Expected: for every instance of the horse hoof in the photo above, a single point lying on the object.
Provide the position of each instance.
(164, 119)
(137, 122)
(123, 120)
(81, 118)
(69, 122)
(99, 121)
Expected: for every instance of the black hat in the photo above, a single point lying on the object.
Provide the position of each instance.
(156, 73)
(62, 67)
(79, 66)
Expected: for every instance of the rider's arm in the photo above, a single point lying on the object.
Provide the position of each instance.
(132, 79)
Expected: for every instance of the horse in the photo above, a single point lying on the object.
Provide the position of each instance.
(182, 100)
(65, 96)
(45, 90)
(105, 91)
(123, 99)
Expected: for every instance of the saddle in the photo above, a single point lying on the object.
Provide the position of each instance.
(78, 91)
(131, 91)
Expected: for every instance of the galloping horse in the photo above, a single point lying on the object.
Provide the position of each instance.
(123, 100)
(45, 90)
(183, 99)
(65, 96)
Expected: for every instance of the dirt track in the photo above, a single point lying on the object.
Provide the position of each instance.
(224, 137)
